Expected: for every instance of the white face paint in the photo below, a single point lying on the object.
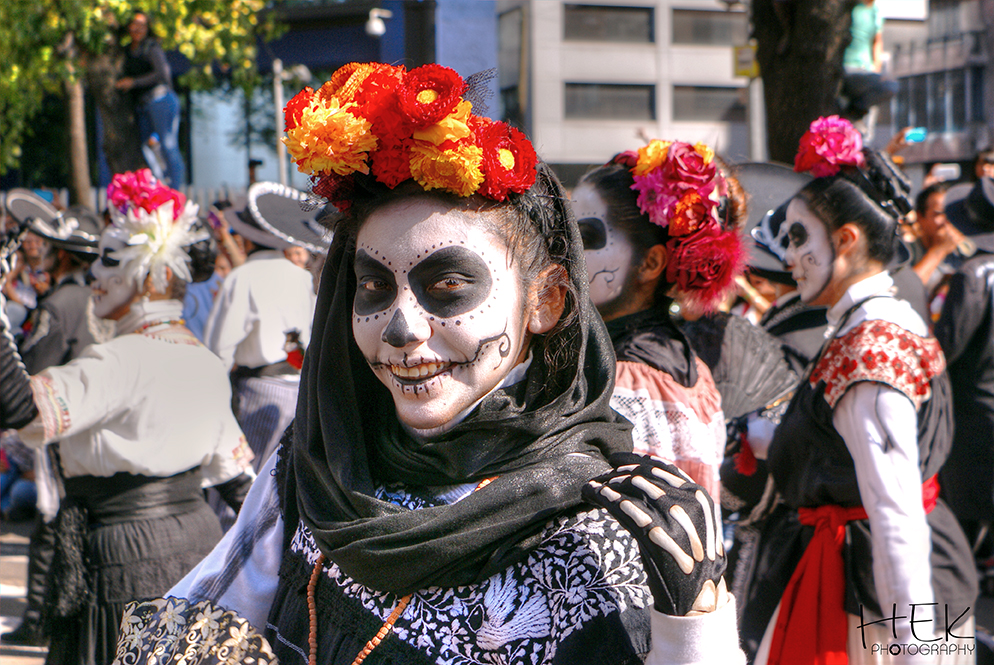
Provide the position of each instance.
(113, 290)
(439, 312)
(810, 254)
(607, 251)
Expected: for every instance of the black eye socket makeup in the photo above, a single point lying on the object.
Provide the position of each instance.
(593, 233)
(797, 234)
(451, 281)
(108, 260)
(377, 288)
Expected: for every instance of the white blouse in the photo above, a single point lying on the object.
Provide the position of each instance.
(154, 403)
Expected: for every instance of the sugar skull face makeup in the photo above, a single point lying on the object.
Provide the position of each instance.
(439, 311)
(607, 251)
(810, 254)
(113, 289)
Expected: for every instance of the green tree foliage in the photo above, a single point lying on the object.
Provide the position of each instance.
(47, 44)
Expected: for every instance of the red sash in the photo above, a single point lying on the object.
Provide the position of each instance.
(812, 624)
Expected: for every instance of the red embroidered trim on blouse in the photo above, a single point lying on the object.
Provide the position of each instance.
(882, 352)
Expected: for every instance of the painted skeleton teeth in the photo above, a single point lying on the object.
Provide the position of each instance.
(418, 371)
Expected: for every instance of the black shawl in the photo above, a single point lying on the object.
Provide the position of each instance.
(542, 447)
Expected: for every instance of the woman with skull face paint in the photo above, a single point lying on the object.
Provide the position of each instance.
(143, 423)
(650, 230)
(856, 453)
(426, 505)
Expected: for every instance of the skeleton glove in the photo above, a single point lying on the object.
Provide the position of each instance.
(676, 526)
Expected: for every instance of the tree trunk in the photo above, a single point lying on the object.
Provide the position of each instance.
(78, 154)
(121, 140)
(804, 82)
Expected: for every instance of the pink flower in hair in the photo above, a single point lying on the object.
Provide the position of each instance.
(138, 189)
(829, 144)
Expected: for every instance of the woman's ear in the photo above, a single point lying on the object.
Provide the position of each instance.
(548, 299)
(848, 239)
(653, 264)
(148, 288)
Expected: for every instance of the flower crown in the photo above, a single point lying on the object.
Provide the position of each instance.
(156, 222)
(679, 188)
(394, 125)
(829, 145)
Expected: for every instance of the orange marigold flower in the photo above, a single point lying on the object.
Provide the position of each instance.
(651, 156)
(330, 139)
(705, 151)
(456, 169)
(689, 214)
(295, 107)
(347, 80)
(429, 93)
(508, 159)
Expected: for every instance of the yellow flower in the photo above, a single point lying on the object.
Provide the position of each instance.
(456, 169)
(329, 138)
(452, 127)
(651, 156)
(705, 152)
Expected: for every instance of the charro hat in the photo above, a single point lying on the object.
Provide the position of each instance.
(970, 208)
(289, 214)
(242, 223)
(76, 229)
(770, 187)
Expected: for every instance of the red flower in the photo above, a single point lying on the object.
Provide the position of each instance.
(686, 165)
(138, 189)
(508, 159)
(869, 360)
(391, 164)
(828, 145)
(429, 93)
(704, 265)
(691, 212)
(377, 102)
(295, 107)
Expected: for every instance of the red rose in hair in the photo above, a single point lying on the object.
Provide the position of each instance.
(429, 93)
(159, 195)
(294, 108)
(508, 159)
(690, 213)
(391, 164)
(685, 165)
(828, 145)
(704, 265)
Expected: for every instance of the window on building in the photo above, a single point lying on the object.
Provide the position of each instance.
(691, 26)
(596, 23)
(976, 94)
(608, 101)
(937, 96)
(957, 96)
(709, 104)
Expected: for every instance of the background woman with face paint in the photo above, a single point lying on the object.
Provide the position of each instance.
(426, 505)
(639, 255)
(855, 455)
(143, 423)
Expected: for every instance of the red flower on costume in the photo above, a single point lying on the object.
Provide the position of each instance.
(704, 265)
(294, 108)
(508, 159)
(829, 144)
(429, 93)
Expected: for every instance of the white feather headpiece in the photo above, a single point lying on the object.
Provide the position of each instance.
(156, 223)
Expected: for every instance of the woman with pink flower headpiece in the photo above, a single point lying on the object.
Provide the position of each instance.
(143, 423)
(652, 232)
(862, 562)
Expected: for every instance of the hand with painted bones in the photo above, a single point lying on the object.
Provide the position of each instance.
(674, 521)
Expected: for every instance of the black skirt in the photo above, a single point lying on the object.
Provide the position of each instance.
(143, 535)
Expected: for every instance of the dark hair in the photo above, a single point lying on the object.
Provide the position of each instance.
(985, 156)
(836, 200)
(534, 227)
(921, 201)
(149, 22)
(203, 253)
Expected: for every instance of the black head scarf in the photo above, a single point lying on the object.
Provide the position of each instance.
(543, 438)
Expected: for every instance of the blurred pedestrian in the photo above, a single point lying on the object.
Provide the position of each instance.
(148, 78)
(143, 423)
(863, 85)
